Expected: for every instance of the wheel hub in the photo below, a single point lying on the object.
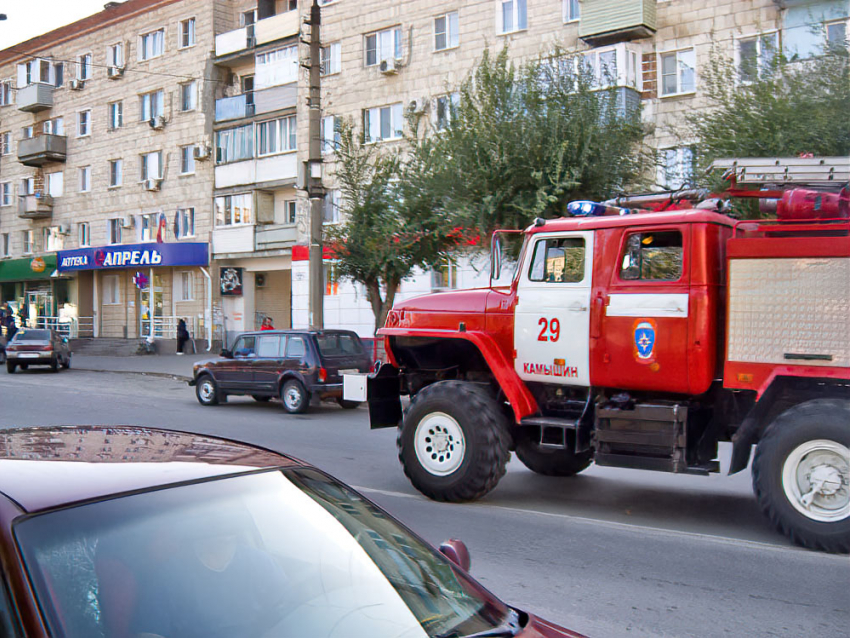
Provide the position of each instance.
(816, 479)
(439, 444)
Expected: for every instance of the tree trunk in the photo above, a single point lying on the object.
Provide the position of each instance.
(381, 305)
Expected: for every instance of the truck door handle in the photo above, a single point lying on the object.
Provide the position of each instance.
(577, 307)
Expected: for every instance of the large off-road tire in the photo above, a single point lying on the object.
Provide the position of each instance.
(801, 474)
(454, 442)
(550, 461)
(206, 389)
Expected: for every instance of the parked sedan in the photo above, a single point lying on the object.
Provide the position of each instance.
(37, 347)
(114, 532)
(295, 365)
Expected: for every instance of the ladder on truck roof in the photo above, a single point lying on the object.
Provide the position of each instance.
(818, 171)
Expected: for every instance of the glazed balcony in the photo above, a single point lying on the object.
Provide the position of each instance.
(276, 237)
(35, 97)
(233, 44)
(233, 108)
(35, 206)
(606, 21)
(42, 149)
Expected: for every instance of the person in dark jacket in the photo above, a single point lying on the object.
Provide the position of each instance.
(182, 336)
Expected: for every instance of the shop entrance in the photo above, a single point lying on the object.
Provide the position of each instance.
(145, 309)
(39, 305)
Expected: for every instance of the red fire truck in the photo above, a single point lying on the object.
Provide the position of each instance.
(641, 338)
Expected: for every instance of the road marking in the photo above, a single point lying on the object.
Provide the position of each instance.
(660, 531)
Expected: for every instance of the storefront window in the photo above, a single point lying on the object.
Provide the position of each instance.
(234, 210)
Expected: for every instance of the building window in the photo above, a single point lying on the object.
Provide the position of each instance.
(56, 126)
(572, 10)
(383, 45)
(6, 95)
(446, 104)
(58, 74)
(234, 210)
(189, 96)
(186, 286)
(185, 222)
(111, 290)
(84, 234)
(116, 170)
(331, 278)
(151, 165)
(446, 34)
(652, 256)
(290, 208)
(279, 66)
(512, 15)
(85, 179)
(84, 66)
(384, 122)
(6, 194)
(51, 239)
(148, 223)
(114, 230)
(247, 82)
(444, 276)
(276, 136)
(26, 132)
(330, 134)
(187, 160)
(836, 33)
(84, 123)
(115, 55)
(5, 143)
(151, 44)
(756, 56)
(28, 186)
(678, 72)
(330, 207)
(187, 33)
(235, 144)
(55, 183)
(28, 240)
(116, 115)
(677, 167)
(331, 58)
(5, 245)
(151, 105)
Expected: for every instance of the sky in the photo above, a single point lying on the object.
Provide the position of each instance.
(26, 19)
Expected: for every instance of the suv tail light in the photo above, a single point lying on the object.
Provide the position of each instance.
(323, 375)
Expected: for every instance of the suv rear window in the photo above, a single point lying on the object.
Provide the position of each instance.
(339, 345)
(32, 335)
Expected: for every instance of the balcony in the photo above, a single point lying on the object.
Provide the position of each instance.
(277, 27)
(233, 108)
(275, 98)
(606, 21)
(279, 169)
(42, 149)
(233, 239)
(35, 206)
(276, 237)
(35, 97)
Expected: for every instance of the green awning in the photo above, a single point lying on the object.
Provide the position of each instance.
(26, 270)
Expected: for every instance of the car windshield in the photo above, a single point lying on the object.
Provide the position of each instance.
(336, 344)
(279, 554)
(32, 335)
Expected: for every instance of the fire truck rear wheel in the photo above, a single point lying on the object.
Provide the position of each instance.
(454, 442)
(549, 461)
(801, 474)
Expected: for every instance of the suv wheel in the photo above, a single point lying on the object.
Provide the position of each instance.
(207, 390)
(294, 397)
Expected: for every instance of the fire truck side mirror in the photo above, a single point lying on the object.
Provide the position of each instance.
(496, 257)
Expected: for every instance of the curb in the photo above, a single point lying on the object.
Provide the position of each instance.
(163, 375)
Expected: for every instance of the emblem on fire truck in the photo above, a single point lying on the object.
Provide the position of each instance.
(644, 340)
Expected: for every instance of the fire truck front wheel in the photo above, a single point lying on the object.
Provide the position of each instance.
(547, 460)
(801, 474)
(454, 442)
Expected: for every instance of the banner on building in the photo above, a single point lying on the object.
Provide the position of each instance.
(231, 281)
(134, 255)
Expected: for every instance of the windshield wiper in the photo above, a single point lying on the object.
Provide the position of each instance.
(508, 627)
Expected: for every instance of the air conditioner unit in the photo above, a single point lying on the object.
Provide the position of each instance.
(114, 72)
(64, 230)
(152, 184)
(389, 67)
(157, 123)
(417, 106)
(76, 85)
(201, 152)
(127, 222)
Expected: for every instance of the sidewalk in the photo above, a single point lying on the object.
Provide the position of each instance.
(168, 365)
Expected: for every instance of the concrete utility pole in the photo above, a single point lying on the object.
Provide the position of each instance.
(313, 172)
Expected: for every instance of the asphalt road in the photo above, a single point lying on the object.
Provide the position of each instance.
(608, 553)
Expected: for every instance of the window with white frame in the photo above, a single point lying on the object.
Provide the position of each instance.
(55, 126)
(677, 167)
(572, 10)
(111, 290)
(512, 15)
(189, 96)
(151, 165)
(276, 136)
(444, 276)
(51, 239)
(113, 230)
(235, 144)
(84, 123)
(116, 172)
(116, 115)
(331, 58)
(234, 210)
(678, 72)
(836, 33)
(151, 105)
(148, 223)
(26, 132)
(115, 54)
(290, 209)
(279, 66)
(445, 104)
(185, 222)
(446, 31)
(756, 55)
(186, 286)
(41, 71)
(6, 93)
(151, 45)
(330, 134)
(330, 207)
(28, 241)
(384, 122)
(383, 45)
(5, 193)
(187, 159)
(58, 74)
(5, 245)
(84, 66)
(28, 186)
(604, 67)
(85, 179)
(84, 234)
(5, 143)
(187, 33)
(55, 183)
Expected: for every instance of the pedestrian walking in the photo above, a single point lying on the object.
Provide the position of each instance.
(267, 324)
(182, 335)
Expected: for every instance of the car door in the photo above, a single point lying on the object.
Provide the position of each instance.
(295, 359)
(551, 334)
(269, 362)
(237, 373)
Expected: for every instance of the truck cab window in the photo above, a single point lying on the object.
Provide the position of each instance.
(558, 260)
(652, 256)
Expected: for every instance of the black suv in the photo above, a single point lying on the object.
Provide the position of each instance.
(291, 364)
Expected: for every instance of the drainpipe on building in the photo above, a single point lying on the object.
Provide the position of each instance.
(209, 318)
